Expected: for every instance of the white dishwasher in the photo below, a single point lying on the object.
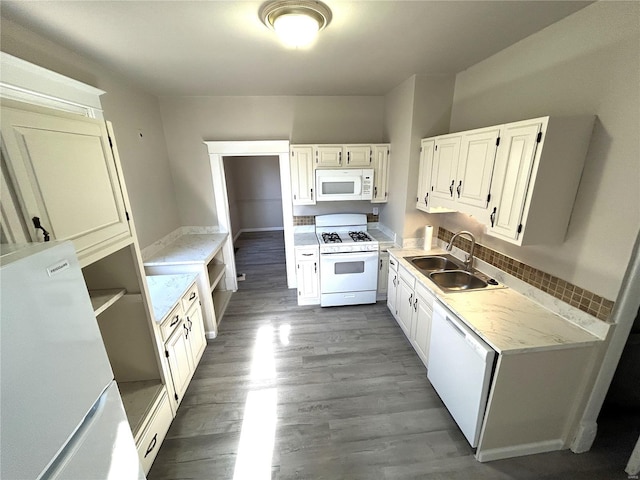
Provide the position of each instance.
(460, 369)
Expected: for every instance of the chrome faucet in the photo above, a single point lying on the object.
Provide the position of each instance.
(468, 263)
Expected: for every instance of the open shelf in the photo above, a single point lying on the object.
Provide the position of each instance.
(138, 399)
(103, 299)
(216, 272)
(220, 301)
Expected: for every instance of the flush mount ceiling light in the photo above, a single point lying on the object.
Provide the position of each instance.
(296, 22)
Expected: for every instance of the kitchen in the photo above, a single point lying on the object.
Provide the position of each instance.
(595, 75)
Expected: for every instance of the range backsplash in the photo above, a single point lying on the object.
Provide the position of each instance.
(575, 296)
(311, 219)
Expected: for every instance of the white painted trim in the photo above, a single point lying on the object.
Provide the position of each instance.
(27, 82)
(623, 315)
(220, 149)
(519, 450)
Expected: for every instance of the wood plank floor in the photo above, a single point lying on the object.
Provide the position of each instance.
(288, 392)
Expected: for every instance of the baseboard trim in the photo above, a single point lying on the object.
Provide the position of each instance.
(519, 450)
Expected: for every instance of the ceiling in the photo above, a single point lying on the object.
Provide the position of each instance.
(222, 48)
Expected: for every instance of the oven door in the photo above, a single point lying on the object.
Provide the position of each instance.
(348, 272)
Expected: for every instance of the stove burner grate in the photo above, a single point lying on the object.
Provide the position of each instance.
(360, 237)
(331, 237)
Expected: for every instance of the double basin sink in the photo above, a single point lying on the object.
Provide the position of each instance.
(448, 273)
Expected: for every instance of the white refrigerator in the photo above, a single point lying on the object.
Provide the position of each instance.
(61, 413)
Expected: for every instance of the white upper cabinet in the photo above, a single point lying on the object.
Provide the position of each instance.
(445, 167)
(64, 172)
(328, 156)
(360, 156)
(302, 176)
(537, 172)
(424, 199)
(380, 173)
(475, 166)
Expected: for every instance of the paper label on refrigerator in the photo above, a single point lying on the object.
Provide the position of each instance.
(59, 267)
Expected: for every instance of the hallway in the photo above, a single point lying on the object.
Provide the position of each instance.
(288, 392)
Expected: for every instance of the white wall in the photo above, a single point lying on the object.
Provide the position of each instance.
(417, 108)
(144, 160)
(257, 194)
(188, 121)
(587, 63)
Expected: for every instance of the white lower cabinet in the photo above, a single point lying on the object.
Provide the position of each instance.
(308, 274)
(392, 286)
(414, 310)
(149, 441)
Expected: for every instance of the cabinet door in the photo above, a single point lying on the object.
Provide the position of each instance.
(358, 155)
(197, 339)
(475, 167)
(512, 172)
(427, 148)
(405, 307)
(383, 274)
(64, 172)
(380, 173)
(308, 282)
(178, 352)
(392, 287)
(302, 178)
(329, 156)
(423, 314)
(445, 165)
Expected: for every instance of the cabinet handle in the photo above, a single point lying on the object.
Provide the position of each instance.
(392, 263)
(38, 225)
(152, 445)
(426, 198)
(492, 217)
(312, 194)
(380, 265)
(190, 323)
(459, 188)
(348, 158)
(192, 296)
(186, 331)
(411, 300)
(375, 191)
(451, 187)
(175, 320)
(307, 254)
(315, 267)
(394, 282)
(415, 305)
(340, 158)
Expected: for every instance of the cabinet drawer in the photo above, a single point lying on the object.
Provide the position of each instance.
(149, 442)
(171, 321)
(393, 263)
(190, 297)
(306, 253)
(425, 294)
(407, 276)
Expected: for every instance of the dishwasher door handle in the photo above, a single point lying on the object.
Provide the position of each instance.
(461, 332)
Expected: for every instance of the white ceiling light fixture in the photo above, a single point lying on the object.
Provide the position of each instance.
(296, 22)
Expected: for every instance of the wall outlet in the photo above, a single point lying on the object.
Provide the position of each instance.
(375, 210)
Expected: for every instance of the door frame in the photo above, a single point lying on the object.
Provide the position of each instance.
(280, 148)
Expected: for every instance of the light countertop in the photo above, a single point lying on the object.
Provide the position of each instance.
(305, 239)
(167, 290)
(189, 249)
(507, 320)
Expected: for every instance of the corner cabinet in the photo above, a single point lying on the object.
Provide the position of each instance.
(519, 179)
(54, 160)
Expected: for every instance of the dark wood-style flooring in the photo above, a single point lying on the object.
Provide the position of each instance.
(289, 392)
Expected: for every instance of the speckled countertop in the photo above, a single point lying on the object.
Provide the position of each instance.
(167, 290)
(305, 239)
(189, 249)
(507, 320)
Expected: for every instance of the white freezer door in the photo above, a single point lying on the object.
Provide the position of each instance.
(53, 363)
(103, 447)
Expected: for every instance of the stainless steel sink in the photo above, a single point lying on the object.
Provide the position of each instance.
(434, 263)
(455, 280)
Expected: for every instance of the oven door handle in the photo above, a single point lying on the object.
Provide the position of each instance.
(350, 255)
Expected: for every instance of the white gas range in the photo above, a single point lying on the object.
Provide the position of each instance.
(348, 260)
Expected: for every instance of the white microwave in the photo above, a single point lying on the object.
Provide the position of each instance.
(344, 184)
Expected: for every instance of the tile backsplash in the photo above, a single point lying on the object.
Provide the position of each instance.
(311, 219)
(575, 296)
